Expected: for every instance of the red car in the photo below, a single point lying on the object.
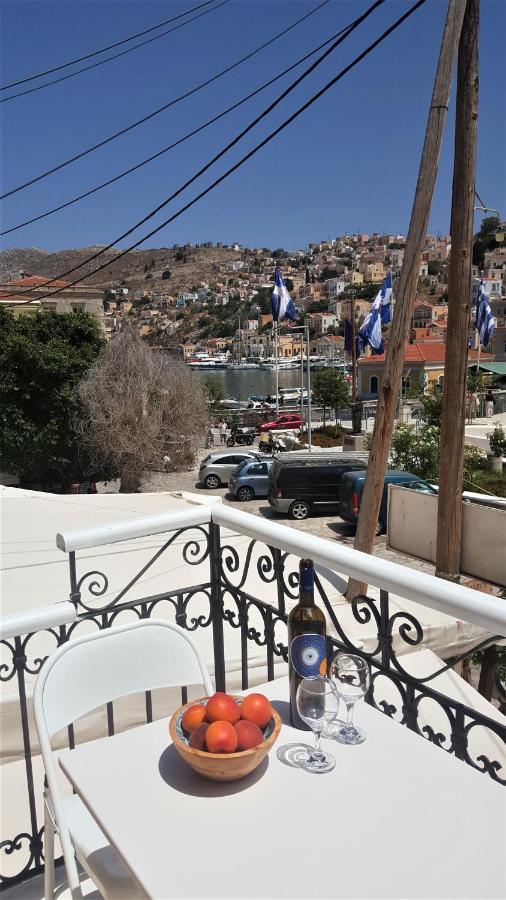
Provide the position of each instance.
(287, 422)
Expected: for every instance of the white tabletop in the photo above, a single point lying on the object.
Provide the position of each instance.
(398, 817)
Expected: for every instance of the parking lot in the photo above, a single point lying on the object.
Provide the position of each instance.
(328, 526)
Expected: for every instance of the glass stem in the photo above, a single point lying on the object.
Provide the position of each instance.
(317, 741)
(349, 715)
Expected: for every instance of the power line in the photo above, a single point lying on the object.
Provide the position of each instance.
(248, 156)
(160, 109)
(101, 62)
(177, 143)
(345, 32)
(78, 59)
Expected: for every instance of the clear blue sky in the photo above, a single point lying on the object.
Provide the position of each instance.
(348, 163)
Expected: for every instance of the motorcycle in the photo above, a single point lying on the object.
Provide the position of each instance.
(241, 435)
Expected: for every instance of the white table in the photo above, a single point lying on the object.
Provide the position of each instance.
(398, 817)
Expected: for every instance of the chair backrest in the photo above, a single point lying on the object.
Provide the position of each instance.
(92, 670)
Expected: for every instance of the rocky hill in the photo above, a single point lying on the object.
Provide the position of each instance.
(139, 269)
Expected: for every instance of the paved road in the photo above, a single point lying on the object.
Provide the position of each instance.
(330, 527)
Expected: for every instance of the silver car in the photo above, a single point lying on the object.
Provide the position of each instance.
(217, 468)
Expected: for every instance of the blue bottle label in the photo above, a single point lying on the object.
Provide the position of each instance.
(308, 655)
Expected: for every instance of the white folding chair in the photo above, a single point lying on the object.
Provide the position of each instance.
(79, 677)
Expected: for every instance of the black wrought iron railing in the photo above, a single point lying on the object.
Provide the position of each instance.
(225, 604)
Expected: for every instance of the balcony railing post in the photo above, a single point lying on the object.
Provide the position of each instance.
(279, 566)
(384, 634)
(75, 593)
(35, 838)
(217, 606)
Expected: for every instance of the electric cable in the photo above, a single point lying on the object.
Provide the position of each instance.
(177, 143)
(101, 62)
(161, 109)
(79, 59)
(398, 22)
(345, 32)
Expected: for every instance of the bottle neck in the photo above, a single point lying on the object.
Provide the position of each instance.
(306, 598)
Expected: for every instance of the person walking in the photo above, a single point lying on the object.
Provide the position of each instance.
(209, 437)
(489, 404)
(223, 432)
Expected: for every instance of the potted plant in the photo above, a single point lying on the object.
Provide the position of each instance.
(497, 443)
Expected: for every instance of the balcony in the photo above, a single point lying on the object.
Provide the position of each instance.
(231, 578)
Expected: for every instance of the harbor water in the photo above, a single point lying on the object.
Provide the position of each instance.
(241, 384)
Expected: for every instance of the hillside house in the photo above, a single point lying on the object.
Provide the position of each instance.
(423, 366)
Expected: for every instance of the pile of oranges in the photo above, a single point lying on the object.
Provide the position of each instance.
(225, 726)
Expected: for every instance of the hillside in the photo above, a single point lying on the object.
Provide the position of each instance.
(138, 269)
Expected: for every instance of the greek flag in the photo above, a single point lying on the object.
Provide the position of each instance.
(381, 314)
(282, 305)
(485, 322)
(385, 300)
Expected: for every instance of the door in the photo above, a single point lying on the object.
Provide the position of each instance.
(230, 463)
(258, 478)
(326, 485)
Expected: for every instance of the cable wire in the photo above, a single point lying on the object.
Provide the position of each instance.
(101, 62)
(78, 59)
(345, 32)
(177, 143)
(161, 109)
(250, 154)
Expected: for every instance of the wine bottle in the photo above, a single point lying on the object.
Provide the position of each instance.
(307, 651)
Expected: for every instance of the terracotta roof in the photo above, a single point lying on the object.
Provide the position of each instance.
(33, 281)
(425, 352)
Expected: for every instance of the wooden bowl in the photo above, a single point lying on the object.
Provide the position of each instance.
(222, 766)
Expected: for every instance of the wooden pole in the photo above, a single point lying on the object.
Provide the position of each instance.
(451, 453)
(399, 332)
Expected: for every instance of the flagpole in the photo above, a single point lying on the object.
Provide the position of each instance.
(308, 382)
(276, 366)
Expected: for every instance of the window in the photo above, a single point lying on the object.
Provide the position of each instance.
(258, 469)
(373, 384)
(77, 307)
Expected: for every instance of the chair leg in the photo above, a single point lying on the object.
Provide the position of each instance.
(48, 854)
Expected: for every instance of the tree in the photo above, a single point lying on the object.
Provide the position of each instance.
(308, 277)
(166, 274)
(42, 360)
(485, 240)
(213, 387)
(138, 407)
(434, 267)
(330, 390)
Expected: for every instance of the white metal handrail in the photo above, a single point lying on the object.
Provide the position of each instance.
(455, 600)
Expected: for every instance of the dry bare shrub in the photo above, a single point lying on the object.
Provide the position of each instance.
(139, 407)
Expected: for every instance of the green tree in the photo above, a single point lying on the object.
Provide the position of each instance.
(213, 389)
(42, 360)
(432, 408)
(330, 390)
(485, 240)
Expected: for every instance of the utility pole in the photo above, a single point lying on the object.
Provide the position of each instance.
(451, 449)
(389, 390)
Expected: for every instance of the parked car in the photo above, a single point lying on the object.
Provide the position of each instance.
(286, 421)
(251, 479)
(305, 483)
(217, 467)
(352, 486)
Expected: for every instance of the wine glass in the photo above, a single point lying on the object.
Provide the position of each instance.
(316, 699)
(352, 679)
